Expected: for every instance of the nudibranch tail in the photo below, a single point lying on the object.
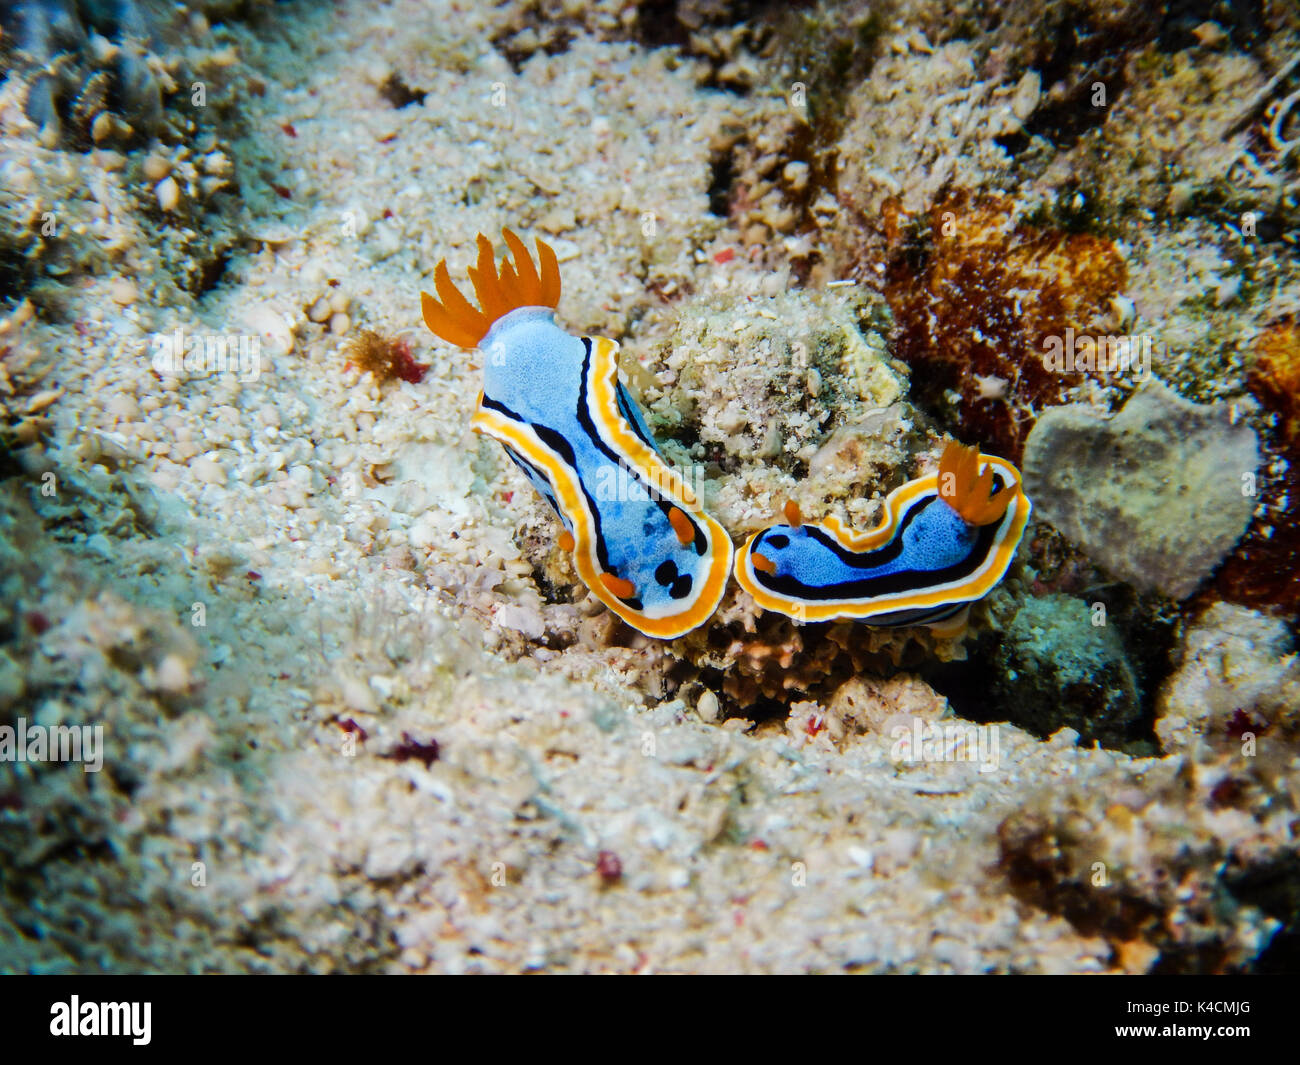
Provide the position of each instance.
(639, 538)
(459, 322)
(946, 539)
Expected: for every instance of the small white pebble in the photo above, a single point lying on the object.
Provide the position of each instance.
(104, 50)
(110, 160)
(376, 72)
(123, 407)
(795, 175)
(207, 471)
(1123, 311)
(173, 674)
(102, 128)
(1024, 100)
(356, 695)
(42, 400)
(216, 164)
(169, 194)
(1210, 34)
(156, 167)
(992, 386)
(123, 292)
(340, 323)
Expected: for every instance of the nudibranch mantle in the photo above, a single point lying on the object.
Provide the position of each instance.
(922, 565)
(639, 536)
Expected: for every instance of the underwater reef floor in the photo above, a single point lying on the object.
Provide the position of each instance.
(357, 713)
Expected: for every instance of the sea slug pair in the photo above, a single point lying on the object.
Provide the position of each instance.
(640, 538)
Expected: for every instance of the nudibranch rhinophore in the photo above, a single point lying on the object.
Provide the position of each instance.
(639, 536)
(945, 541)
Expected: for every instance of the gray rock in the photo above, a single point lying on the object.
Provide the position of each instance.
(1156, 494)
(1055, 669)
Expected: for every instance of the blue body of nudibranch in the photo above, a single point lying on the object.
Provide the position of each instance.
(922, 565)
(640, 539)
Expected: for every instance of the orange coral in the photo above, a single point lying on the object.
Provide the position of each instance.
(459, 322)
(975, 293)
(1264, 571)
(968, 491)
(1275, 377)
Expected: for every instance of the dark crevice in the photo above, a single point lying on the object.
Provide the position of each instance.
(1274, 887)
(398, 93)
(209, 273)
(1241, 20)
(1148, 639)
(658, 24)
(661, 23)
(722, 170)
(1083, 72)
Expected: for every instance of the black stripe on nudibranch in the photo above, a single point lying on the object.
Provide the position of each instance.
(627, 407)
(536, 476)
(920, 616)
(700, 542)
(891, 551)
(589, 425)
(562, 450)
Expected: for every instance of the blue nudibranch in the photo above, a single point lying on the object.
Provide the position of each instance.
(640, 539)
(945, 541)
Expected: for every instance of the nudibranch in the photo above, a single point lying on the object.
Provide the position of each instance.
(639, 537)
(946, 539)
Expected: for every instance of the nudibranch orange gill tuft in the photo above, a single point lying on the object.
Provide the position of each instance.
(640, 538)
(946, 539)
